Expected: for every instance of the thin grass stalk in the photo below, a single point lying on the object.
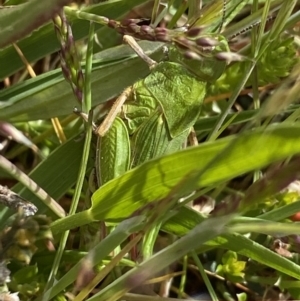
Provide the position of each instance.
(83, 165)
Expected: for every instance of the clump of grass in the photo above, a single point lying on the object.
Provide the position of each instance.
(218, 212)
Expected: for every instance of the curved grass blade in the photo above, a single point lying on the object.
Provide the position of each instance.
(56, 174)
(32, 186)
(226, 158)
(215, 162)
(186, 219)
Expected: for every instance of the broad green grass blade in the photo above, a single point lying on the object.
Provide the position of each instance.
(41, 99)
(43, 41)
(216, 162)
(18, 21)
(152, 180)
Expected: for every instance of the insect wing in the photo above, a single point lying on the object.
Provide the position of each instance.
(179, 93)
(114, 152)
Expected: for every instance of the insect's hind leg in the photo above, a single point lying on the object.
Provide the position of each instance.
(139, 51)
(193, 137)
(117, 106)
(114, 111)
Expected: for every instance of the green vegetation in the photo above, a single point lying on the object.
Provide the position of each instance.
(178, 160)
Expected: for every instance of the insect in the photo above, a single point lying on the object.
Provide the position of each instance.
(155, 115)
(158, 112)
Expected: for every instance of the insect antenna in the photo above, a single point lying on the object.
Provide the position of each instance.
(223, 16)
(248, 28)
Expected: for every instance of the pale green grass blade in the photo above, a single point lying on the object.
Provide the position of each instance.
(56, 174)
(21, 177)
(282, 212)
(279, 24)
(215, 161)
(266, 227)
(250, 20)
(211, 15)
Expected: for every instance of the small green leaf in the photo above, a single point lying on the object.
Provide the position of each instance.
(232, 267)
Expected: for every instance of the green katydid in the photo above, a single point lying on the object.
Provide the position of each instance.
(158, 111)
